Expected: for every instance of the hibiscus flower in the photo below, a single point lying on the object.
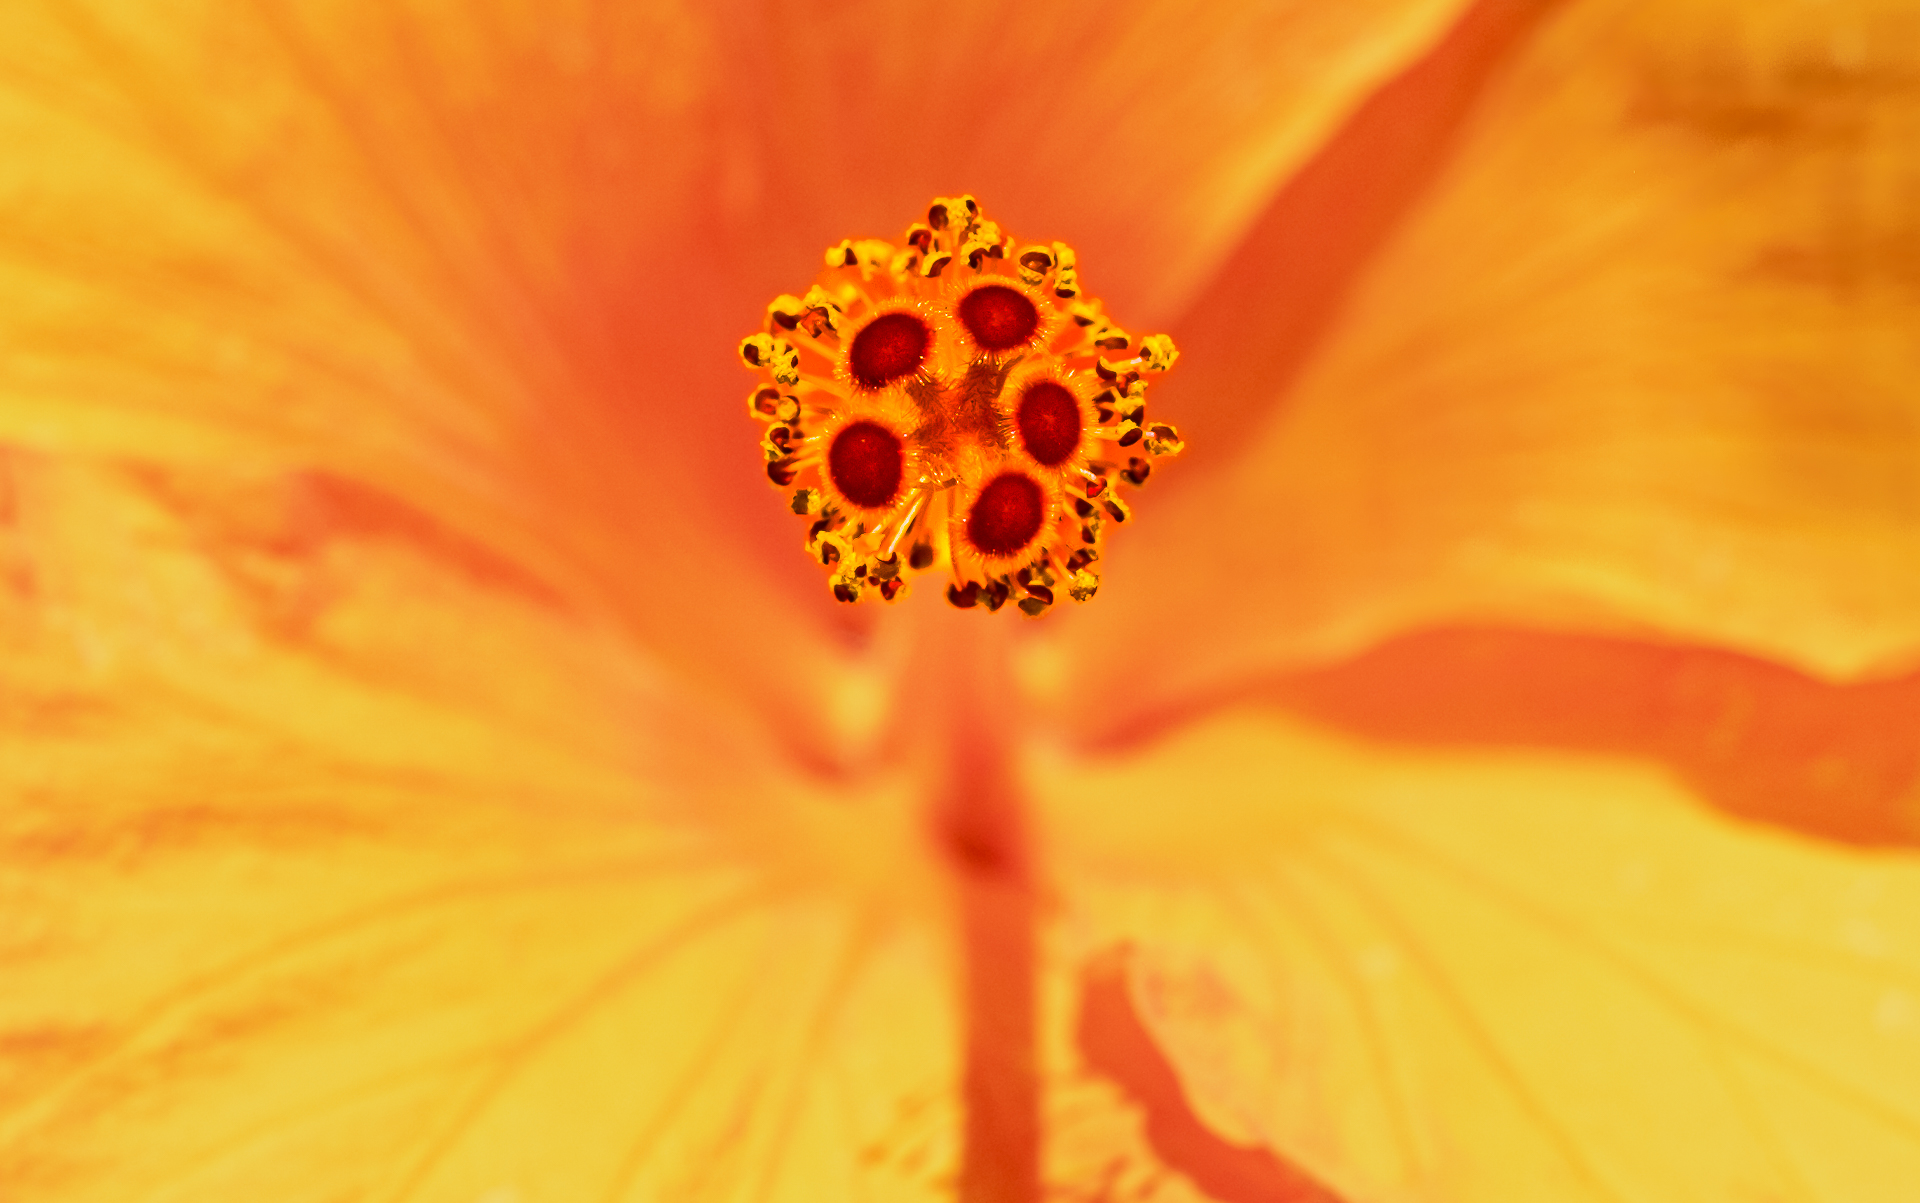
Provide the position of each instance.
(430, 770)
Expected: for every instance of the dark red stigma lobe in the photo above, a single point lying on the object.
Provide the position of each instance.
(865, 464)
(998, 317)
(1007, 515)
(1049, 422)
(892, 345)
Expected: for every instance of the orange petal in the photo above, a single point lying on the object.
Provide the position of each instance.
(1642, 361)
(496, 267)
(1145, 137)
(1489, 976)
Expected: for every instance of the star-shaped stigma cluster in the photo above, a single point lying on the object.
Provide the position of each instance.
(955, 401)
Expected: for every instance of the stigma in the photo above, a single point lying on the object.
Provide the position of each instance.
(952, 403)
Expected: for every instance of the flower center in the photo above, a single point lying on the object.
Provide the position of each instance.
(998, 317)
(953, 401)
(1007, 515)
(893, 345)
(865, 462)
(1049, 423)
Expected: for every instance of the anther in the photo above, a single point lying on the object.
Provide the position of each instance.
(765, 403)
(1035, 263)
(784, 312)
(776, 355)
(1157, 353)
(1066, 277)
(778, 445)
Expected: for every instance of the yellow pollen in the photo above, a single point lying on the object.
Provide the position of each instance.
(954, 402)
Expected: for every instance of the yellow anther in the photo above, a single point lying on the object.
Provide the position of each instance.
(1034, 263)
(764, 403)
(823, 311)
(779, 443)
(1066, 275)
(1163, 439)
(984, 241)
(846, 585)
(1157, 353)
(1104, 334)
(1085, 313)
(776, 355)
(1084, 586)
(868, 254)
(785, 312)
(935, 264)
(948, 210)
(806, 501)
(830, 547)
(875, 254)
(1034, 607)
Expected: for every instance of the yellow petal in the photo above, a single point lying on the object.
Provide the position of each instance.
(451, 898)
(1643, 360)
(1470, 976)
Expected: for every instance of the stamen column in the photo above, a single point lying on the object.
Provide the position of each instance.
(978, 826)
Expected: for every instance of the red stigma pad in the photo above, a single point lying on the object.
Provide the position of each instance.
(893, 345)
(865, 464)
(1049, 423)
(1007, 515)
(998, 317)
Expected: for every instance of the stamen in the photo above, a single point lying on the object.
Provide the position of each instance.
(955, 398)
